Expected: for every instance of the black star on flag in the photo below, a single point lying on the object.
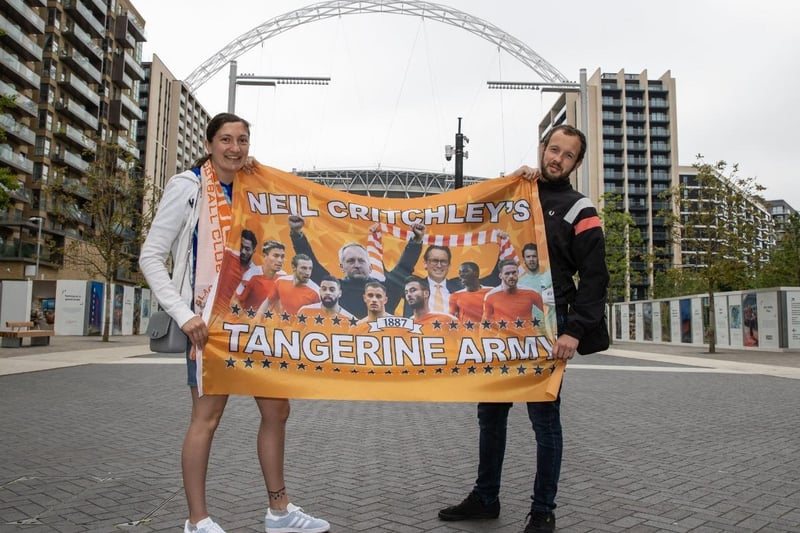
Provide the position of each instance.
(269, 314)
(336, 320)
(521, 369)
(502, 324)
(538, 370)
(285, 316)
(235, 309)
(230, 363)
(284, 365)
(519, 323)
(504, 369)
(251, 313)
(302, 319)
(266, 363)
(353, 321)
(319, 320)
(453, 325)
(248, 363)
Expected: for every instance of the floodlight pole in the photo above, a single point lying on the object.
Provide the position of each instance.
(235, 79)
(565, 87)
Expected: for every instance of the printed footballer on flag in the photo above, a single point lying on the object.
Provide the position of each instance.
(325, 294)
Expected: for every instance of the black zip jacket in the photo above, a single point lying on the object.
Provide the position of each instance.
(576, 245)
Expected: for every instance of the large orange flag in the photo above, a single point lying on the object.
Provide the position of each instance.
(339, 299)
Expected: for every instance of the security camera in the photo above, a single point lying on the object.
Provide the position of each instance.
(448, 152)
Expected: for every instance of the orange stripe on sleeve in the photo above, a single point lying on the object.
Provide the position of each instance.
(587, 223)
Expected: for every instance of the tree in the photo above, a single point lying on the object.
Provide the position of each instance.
(107, 203)
(624, 245)
(783, 268)
(715, 230)
(8, 178)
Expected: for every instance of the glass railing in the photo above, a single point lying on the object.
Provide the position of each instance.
(21, 131)
(27, 13)
(20, 100)
(18, 161)
(16, 65)
(15, 32)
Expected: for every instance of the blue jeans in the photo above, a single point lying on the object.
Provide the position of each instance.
(545, 418)
(546, 421)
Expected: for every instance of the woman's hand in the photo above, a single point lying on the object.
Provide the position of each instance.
(250, 164)
(197, 331)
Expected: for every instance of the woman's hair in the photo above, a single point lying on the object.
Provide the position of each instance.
(213, 127)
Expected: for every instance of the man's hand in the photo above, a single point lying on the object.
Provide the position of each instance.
(419, 230)
(529, 173)
(565, 347)
(296, 223)
(196, 330)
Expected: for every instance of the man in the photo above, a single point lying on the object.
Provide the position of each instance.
(258, 282)
(416, 295)
(467, 304)
(508, 301)
(575, 244)
(294, 291)
(330, 290)
(436, 261)
(375, 299)
(534, 278)
(355, 264)
(238, 267)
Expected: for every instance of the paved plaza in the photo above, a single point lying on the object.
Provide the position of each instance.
(657, 439)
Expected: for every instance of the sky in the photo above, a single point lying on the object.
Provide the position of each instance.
(399, 82)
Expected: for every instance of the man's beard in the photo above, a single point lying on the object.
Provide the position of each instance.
(329, 303)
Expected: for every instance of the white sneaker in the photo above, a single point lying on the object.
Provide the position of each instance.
(295, 521)
(206, 525)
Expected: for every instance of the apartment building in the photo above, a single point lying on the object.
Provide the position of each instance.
(632, 152)
(751, 212)
(780, 211)
(172, 132)
(74, 69)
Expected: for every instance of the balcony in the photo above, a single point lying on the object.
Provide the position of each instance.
(80, 62)
(659, 117)
(136, 27)
(133, 67)
(21, 101)
(78, 188)
(116, 118)
(121, 32)
(98, 6)
(130, 107)
(84, 15)
(21, 193)
(68, 158)
(637, 147)
(17, 161)
(77, 137)
(659, 147)
(78, 37)
(75, 213)
(79, 88)
(23, 15)
(659, 132)
(15, 129)
(78, 112)
(17, 71)
(128, 146)
(119, 76)
(635, 117)
(13, 37)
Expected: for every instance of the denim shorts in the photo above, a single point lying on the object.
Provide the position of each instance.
(191, 368)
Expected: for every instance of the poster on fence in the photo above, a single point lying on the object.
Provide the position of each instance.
(326, 294)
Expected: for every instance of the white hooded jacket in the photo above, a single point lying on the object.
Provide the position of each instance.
(172, 233)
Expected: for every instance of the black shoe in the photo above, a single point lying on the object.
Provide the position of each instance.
(470, 509)
(541, 522)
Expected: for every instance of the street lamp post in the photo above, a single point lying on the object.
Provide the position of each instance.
(460, 154)
(38, 221)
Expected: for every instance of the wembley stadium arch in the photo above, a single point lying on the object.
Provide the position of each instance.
(377, 182)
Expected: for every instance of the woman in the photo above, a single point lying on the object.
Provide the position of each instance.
(175, 230)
